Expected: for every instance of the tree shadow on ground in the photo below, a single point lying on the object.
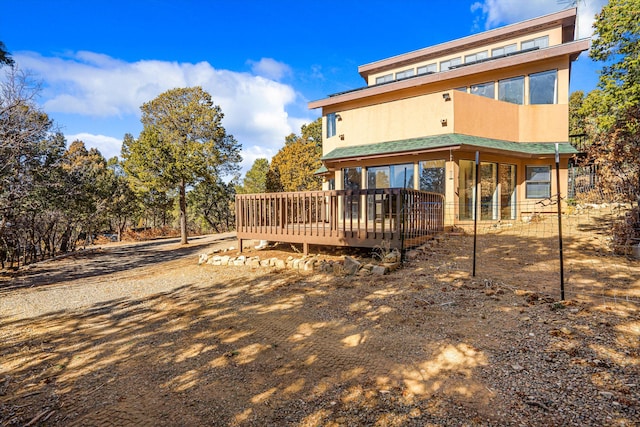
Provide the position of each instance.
(107, 260)
(289, 349)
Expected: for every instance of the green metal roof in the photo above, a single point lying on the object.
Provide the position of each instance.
(446, 141)
(322, 169)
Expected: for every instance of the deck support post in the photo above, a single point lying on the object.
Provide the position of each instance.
(240, 245)
(305, 248)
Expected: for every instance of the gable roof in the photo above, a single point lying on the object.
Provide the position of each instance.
(447, 141)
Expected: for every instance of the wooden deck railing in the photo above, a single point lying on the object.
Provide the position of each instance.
(361, 218)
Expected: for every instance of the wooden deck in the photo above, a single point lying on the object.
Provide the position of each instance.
(362, 218)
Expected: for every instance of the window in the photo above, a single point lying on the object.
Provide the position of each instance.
(378, 177)
(511, 90)
(392, 176)
(539, 42)
(505, 50)
(475, 57)
(484, 89)
(445, 65)
(428, 69)
(489, 191)
(404, 74)
(461, 89)
(331, 125)
(384, 79)
(538, 184)
(507, 179)
(467, 194)
(352, 177)
(543, 87)
(402, 175)
(432, 176)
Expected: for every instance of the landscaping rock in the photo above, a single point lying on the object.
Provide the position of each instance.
(351, 265)
(203, 258)
(379, 270)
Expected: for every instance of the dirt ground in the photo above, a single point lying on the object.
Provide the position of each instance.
(142, 335)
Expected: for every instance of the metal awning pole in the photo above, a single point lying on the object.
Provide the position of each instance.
(559, 222)
(475, 213)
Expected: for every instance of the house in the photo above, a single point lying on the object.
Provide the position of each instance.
(421, 120)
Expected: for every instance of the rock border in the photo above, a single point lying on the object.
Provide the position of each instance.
(350, 266)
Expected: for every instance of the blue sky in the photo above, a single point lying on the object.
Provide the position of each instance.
(262, 61)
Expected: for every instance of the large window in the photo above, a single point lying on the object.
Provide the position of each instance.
(331, 125)
(432, 176)
(511, 90)
(404, 74)
(428, 69)
(484, 89)
(538, 185)
(352, 179)
(543, 87)
(445, 65)
(507, 180)
(497, 190)
(467, 194)
(539, 42)
(392, 176)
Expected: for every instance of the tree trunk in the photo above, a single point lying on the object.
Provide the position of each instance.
(183, 213)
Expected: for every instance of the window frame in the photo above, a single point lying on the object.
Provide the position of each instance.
(555, 87)
(439, 167)
(506, 50)
(537, 182)
(510, 80)
(428, 69)
(384, 79)
(539, 42)
(475, 57)
(484, 85)
(331, 125)
(405, 74)
(450, 63)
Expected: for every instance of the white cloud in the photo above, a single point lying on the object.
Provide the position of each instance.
(270, 68)
(500, 12)
(108, 146)
(88, 84)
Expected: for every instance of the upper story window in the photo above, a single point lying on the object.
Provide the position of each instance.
(511, 90)
(384, 79)
(445, 65)
(404, 74)
(331, 125)
(539, 42)
(543, 87)
(484, 89)
(426, 69)
(476, 57)
(504, 50)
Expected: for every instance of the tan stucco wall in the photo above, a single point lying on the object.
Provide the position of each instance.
(544, 123)
(389, 121)
(480, 116)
